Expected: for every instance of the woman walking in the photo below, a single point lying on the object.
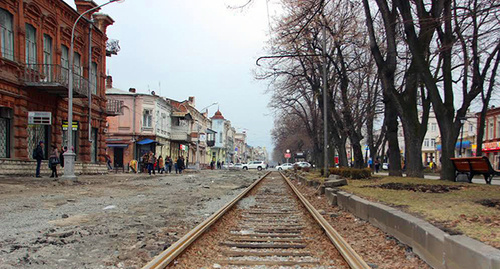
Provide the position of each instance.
(161, 165)
(54, 161)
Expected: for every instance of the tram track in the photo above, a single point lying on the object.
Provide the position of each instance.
(269, 225)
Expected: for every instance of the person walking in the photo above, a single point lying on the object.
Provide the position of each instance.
(377, 165)
(54, 161)
(180, 164)
(38, 156)
(61, 156)
(108, 161)
(169, 164)
(151, 163)
(161, 165)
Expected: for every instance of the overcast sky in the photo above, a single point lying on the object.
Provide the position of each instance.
(195, 48)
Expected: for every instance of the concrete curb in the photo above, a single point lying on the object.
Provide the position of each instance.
(439, 249)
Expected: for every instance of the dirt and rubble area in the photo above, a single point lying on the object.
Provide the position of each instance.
(108, 221)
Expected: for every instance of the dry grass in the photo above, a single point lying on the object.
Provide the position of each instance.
(455, 211)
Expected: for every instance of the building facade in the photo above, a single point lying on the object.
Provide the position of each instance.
(35, 41)
(144, 124)
(491, 140)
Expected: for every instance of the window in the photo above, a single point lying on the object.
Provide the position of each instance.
(163, 121)
(490, 130)
(78, 71)
(498, 129)
(433, 142)
(147, 118)
(93, 78)
(220, 138)
(30, 44)
(471, 128)
(433, 127)
(6, 34)
(47, 56)
(426, 142)
(64, 62)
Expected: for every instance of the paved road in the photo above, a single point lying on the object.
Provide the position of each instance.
(477, 179)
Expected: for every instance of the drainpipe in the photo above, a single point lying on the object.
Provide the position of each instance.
(90, 86)
(133, 127)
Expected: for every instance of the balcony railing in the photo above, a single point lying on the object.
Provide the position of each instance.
(54, 79)
(114, 107)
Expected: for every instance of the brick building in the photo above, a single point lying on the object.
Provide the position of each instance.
(491, 139)
(35, 40)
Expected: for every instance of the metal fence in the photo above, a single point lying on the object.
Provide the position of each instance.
(54, 75)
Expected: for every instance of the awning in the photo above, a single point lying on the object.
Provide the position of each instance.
(117, 145)
(210, 131)
(465, 144)
(146, 141)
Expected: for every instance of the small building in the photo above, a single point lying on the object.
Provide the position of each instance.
(491, 139)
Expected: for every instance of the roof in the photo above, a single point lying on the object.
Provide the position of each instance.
(118, 91)
(218, 116)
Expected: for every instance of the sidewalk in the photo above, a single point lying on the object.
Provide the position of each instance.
(477, 179)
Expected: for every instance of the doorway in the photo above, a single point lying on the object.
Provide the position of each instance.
(118, 157)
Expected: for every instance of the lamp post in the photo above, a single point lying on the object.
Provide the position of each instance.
(69, 155)
(462, 121)
(197, 155)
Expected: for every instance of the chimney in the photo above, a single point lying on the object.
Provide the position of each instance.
(109, 82)
(132, 90)
(84, 5)
(191, 101)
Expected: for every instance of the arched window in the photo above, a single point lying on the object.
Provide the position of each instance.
(6, 34)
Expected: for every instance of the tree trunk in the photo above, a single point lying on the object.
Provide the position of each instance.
(391, 121)
(449, 134)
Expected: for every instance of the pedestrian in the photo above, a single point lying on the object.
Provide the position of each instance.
(176, 166)
(180, 164)
(218, 164)
(108, 161)
(222, 165)
(54, 161)
(151, 163)
(61, 156)
(144, 162)
(38, 156)
(377, 165)
(161, 165)
(169, 164)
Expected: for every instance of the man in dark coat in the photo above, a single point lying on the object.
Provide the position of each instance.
(180, 164)
(38, 157)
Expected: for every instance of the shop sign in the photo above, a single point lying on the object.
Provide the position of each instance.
(182, 147)
(40, 117)
(74, 126)
(491, 146)
(288, 155)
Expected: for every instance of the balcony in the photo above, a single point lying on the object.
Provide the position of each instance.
(180, 133)
(114, 107)
(53, 79)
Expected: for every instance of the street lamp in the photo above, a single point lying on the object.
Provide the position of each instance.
(197, 165)
(69, 155)
(462, 121)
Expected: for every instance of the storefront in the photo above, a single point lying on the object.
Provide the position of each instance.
(492, 151)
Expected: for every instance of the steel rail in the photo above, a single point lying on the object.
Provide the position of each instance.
(166, 257)
(352, 258)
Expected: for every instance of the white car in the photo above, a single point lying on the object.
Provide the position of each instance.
(385, 166)
(302, 164)
(236, 166)
(285, 166)
(259, 165)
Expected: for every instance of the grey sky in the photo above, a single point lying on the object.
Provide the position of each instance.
(195, 48)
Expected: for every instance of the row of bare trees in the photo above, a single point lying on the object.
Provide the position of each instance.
(387, 62)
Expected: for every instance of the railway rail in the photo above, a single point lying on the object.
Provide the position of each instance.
(269, 225)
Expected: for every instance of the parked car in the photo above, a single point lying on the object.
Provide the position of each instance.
(259, 165)
(285, 166)
(237, 166)
(302, 164)
(385, 166)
